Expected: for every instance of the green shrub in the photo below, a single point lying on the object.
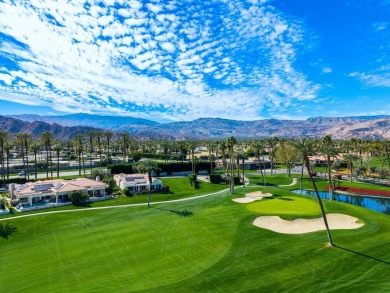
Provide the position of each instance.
(237, 180)
(78, 197)
(215, 178)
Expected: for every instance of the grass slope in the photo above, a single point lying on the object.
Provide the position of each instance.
(217, 249)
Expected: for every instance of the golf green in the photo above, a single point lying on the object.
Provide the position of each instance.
(286, 205)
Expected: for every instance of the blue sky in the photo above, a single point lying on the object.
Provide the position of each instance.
(182, 60)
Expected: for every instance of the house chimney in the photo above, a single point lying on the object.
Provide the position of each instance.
(98, 178)
(11, 189)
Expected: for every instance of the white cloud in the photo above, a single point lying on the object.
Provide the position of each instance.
(186, 62)
(376, 78)
(326, 70)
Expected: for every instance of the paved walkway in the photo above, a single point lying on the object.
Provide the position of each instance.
(295, 180)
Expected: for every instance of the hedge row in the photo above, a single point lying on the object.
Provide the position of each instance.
(168, 167)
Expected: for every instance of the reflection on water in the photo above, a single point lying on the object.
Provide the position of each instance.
(377, 204)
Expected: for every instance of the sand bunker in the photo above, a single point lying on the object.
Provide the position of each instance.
(252, 196)
(300, 226)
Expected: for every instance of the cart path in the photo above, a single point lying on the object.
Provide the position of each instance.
(295, 180)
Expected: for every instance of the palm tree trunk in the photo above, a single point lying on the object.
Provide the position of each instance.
(329, 179)
(301, 179)
(307, 163)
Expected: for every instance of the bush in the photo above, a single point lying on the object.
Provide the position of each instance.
(102, 173)
(192, 178)
(237, 180)
(78, 197)
(215, 178)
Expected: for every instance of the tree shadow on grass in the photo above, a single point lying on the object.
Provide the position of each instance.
(7, 230)
(182, 213)
(361, 254)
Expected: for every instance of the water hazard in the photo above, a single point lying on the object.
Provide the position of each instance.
(377, 204)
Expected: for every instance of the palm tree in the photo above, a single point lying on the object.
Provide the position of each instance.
(147, 166)
(90, 135)
(350, 158)
(24, 140)
(272, 141)
(258, 150)
(125, 137)
(222, 146)
(108, 135)
(79, 148)
(35, 147)
(328, 149)
(7, 148)
(305, 147)
(230, 143)
(57, 148)
(46, 138)
(3, 140)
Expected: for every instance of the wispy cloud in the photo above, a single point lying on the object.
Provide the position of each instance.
(173, 60)
(376, 78)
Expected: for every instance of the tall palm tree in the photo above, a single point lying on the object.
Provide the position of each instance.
(147, 166)
(57, 148)
(350, 158)
(222, 146)
(230, 143)
(3, 140)
(79, 148)
(8, 146)
(305, 147)
(108, 136)
(24, 140)
(125, 137)
(47, 138)
(35, 147)
(327, 148)
(257, 147)
(272, 142)
(90, 135)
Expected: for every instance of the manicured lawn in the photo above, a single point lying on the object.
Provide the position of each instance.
(286, 206)
(217, 249)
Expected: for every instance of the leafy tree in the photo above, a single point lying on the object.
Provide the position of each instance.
(102, 173)
(287, 154)
(78, 197)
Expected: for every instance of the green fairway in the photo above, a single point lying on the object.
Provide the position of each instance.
(214, 249)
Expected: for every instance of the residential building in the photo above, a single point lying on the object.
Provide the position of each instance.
(54, 191)
(137, 183)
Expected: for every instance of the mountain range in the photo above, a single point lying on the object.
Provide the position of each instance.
(67, 126)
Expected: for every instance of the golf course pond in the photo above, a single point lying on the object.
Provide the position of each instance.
(379, 204)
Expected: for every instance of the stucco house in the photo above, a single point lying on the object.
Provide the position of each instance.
(54, 191)
(137, 183)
